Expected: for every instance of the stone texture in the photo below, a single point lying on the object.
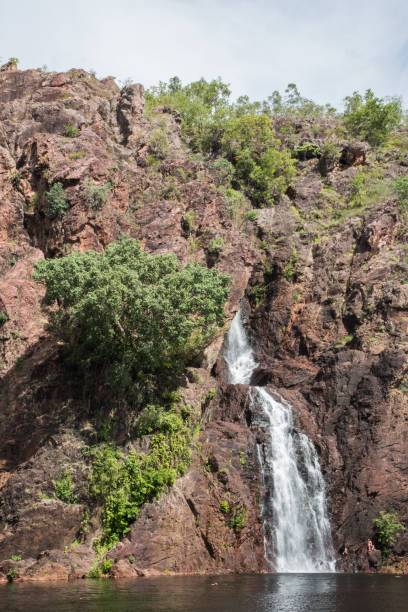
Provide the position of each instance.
(331, 338)
(186, 530)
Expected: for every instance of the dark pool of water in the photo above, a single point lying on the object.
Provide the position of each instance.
(269, 593)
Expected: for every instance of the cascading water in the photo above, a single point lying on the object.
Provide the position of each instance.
(296, 527)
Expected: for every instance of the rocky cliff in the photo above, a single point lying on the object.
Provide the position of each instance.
(323, 274)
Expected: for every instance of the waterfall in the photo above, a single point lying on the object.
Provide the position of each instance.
(297, 532)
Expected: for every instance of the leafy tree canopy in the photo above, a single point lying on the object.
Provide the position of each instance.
(263, 170)
(130, 313)
(372, 118)
(202, 106)
(241, 132)
(293, 103)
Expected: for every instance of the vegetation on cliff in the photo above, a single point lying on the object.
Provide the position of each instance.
(123, 483)
(136, 317)
(305, 218)
(244, 133)
(131, 314)
(387, 530)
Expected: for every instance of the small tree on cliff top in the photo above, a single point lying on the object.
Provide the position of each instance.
(372, 118)
(132, 314)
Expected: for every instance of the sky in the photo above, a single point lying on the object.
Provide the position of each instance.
(328, 48)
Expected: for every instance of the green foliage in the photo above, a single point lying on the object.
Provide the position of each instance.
(211, 393)
(158, 144)
(106, 566)
(170, 189)
(13, 60)
(368, 187)
(237, 204)
(12, 574)
(16, 557)
(238, 519)
(224, 507)
(122, 484)
(188, 221)
(257, 293)
(345, 340)
(330, 150)
(95, 571)
(95, 195)
(371, 118)
(56, 201)
(15, 178)
(71, 131)
(64, 488)
(289, 271)
(358, 190)
(293, 104)
(215, 245)
(132, 314)
(201, 104)
(3, 318)
(131, 559)
(222, 172)
(387, 530)
(252, 215)
(401, 189)
(157, 419)
(329, 154)
(262, 170)
(241, 136)
(77, 155)
(307, 151)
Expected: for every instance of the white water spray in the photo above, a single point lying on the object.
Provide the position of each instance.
(296, 526)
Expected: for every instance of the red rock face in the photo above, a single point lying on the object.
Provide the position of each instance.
(327, 307)
(149, 199)
(189, 530)
(333, 341)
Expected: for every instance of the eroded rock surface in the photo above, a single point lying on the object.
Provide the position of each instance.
(325, 284)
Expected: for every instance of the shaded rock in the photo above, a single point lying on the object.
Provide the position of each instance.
(354, 153)
(129, 109)
(9, 67)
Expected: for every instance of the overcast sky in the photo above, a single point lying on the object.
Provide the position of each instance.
(328, 48)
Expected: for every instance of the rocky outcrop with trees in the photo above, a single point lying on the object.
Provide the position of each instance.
(133, 224)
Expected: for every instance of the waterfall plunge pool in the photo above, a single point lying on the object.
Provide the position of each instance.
(255, 593)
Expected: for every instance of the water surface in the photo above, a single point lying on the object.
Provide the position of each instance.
(267, 593)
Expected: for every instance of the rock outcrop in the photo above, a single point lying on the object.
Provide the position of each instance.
(332, 339)
(325, 279)
(72, 129)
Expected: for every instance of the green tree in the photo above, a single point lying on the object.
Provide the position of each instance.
(56, 201)
(201, 104)
(292, 103)
(95, 195)
(64, 488)
(132, 314)
(371, 118)
(71, 131)
(401, 190)
(387, 530)
(262, 168)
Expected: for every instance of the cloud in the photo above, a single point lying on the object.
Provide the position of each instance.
(328, 49)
